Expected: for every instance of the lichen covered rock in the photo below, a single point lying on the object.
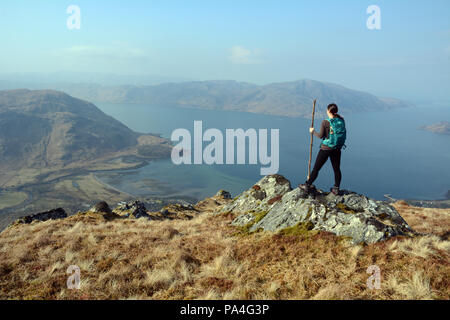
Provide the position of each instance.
(260, 197)
(349, 214)
(132, 209)
(223, 194)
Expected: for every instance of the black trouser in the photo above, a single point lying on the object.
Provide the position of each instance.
(322, 157)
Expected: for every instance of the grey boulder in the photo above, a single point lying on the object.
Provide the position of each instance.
(273, 206)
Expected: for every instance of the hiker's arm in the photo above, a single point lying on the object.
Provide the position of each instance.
(322, 133)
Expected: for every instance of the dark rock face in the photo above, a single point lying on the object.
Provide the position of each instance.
(44, 216)
(223, 194)
(347, 214)
(133, 209)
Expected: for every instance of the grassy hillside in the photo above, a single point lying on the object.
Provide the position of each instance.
(50, 143)
(206, 258)
(45, 128)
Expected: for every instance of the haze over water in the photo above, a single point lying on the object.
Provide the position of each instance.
(386, 153)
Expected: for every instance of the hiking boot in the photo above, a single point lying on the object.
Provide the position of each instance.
(335, 191)
(306, 187)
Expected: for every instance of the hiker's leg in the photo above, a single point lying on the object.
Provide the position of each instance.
(322, 157)
(335, 158)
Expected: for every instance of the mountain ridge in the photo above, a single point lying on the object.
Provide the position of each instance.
(51, 146)
(291, 99)
(46, 130)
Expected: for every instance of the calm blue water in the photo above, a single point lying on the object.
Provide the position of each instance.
(386, 153)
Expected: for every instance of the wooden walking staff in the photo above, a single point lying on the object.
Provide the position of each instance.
(312, 137)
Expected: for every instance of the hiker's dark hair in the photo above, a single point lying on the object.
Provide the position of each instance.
(333, 108)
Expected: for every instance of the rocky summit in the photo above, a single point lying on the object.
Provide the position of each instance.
(272, 205)
(133, 209)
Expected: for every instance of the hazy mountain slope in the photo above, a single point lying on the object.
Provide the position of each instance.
(51, 128)
(46, 132)
(292, 99)
(51, 145)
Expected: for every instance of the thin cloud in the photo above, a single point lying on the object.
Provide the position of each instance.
(117, 57)
(241, 55)
(104, 52)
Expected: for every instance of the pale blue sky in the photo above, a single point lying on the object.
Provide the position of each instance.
(256, 41)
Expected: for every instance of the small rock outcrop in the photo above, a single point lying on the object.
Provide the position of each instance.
(223, 194)
(132, 209)
(43, 216)
(272, 205)
(104, 209)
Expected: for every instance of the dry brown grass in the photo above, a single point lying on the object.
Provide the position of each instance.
(426, 220)
(204, 258)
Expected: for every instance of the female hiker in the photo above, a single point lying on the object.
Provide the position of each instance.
(333, 133)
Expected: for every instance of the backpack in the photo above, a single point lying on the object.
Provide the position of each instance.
(338, 134)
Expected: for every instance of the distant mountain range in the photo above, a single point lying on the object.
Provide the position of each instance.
(50, 129)
(292, 99)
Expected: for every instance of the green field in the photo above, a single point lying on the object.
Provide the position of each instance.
(11, 198)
